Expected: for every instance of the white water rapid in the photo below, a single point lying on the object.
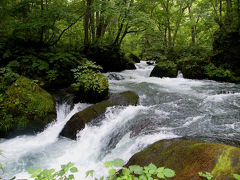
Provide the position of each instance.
(168, 108)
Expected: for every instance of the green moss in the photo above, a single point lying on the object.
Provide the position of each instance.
(165, 69)
(188, 157)
(29, 105)
(223, 164)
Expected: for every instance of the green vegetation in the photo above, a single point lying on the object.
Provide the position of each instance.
(206, 175)
(25, 105)
(134, 172)
(51, 174)
(91, 85)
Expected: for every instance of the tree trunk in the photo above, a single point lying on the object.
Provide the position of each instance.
(86, 23)
(192, 27)
(92, 20)
(229, 17)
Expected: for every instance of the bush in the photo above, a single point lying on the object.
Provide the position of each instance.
(91, 85)
(192, 67)
(219, 74)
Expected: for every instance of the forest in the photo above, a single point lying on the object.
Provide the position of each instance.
(83, 54)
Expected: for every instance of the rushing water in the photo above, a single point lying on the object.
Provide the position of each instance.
(168, 108)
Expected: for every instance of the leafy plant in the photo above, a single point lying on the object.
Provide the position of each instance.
(236, 176)
(206, 175)
(134, 172)
(51, 174)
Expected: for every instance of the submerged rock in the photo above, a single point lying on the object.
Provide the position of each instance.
(165, 69)
(29, 107)
(114, 76)
(188, 157)
(78, 120)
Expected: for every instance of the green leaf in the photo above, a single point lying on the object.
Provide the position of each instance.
(118, 162)
(236, 176)
(108, 164)
(169, 172)
(160, 175)
(74, 170)
(136, 169)
(111, 172)
(90, 172)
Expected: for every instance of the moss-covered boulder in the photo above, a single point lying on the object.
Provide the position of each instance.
(188, 157)
(192, 67)
(78, 120)
(165, 69)
(29, 107)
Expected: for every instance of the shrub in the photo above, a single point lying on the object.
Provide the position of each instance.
(90, 84)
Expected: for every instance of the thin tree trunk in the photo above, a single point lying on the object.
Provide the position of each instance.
(92, 20)
(229, 17)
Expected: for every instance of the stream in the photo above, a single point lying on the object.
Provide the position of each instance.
(168, 108)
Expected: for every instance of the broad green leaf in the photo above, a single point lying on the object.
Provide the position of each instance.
(136, 169)
(168, 172)
(160, 175)
(111, 172)
(118, 163)
(74, 170)
(108, 164)
(236, 176)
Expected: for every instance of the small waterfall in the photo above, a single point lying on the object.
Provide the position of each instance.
(180, 75)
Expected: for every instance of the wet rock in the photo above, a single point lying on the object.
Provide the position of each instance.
(150, 62)
(188, 157)
(78, 121)
(114, 76)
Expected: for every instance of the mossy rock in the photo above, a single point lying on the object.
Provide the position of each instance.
(165, 69)
(78, 120)
(193, 67)
(188, 157)
(30, 106)
(91, 88)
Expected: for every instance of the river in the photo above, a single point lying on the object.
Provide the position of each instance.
(168, 108)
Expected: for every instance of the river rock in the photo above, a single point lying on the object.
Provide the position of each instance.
(114, 76)
(78, 120)
(188, 157)
(29, 107)
(165, 69)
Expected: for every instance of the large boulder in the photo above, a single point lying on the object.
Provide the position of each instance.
(28, 106)
(165, 69)
(78, 120)
(188, 157)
